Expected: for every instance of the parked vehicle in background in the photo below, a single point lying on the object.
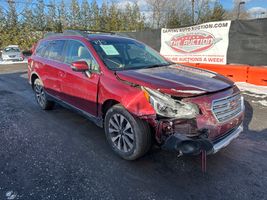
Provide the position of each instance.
(12, 53)
(135, 94)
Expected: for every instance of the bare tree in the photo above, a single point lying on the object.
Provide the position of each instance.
(157, 7)
(169, 13)
(177, 13)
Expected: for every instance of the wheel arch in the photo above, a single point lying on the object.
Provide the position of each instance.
(34, 76)
(107, 104)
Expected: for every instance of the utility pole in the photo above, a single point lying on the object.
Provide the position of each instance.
(262, 14)
(239, 5)
(193, 12)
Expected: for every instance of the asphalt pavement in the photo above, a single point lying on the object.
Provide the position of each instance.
(59, 154)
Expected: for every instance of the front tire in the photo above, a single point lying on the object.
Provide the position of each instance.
(129, 136)
(41, 96)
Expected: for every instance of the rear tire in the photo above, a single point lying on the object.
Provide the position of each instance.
(41, 96)
(129, 136)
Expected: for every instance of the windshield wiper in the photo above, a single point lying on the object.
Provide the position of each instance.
(143, 67)
(158, 65)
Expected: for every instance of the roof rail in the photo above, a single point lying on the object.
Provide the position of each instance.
(75, 32)
(48, 34)
(96, 31)
(79, 32)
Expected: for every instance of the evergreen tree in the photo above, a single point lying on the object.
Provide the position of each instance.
(28, 18)
(136, 18)
(2, 19)
(63, 16)
(127, 17)
(75, 14)
(85, 15)
(104, 19)
(51, 17)
(113, 17)
(12, 16)
(95, 15)
(39, 16)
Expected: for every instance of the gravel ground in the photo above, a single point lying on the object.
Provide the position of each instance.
(61, 155)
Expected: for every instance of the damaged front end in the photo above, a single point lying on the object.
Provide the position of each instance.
(195, 145)
(182, 127)
(182, 136)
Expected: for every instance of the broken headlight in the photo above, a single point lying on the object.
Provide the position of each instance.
(166, 106)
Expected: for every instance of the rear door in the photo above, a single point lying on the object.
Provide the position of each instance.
(79, 89)
(53, 63)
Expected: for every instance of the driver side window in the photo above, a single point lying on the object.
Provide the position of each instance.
(76, 51)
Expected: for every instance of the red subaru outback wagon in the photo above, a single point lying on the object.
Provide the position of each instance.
(135, 94)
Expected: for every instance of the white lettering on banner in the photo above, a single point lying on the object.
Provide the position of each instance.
(204, 43)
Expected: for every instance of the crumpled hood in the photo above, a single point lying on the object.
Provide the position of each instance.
(177, 80)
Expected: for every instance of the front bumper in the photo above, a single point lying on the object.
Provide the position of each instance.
(223, 142)
(193, 146)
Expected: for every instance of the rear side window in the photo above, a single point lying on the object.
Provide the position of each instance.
(55, 50)
(76, 51)
(41, 48)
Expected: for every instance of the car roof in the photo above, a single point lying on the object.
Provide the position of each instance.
(90, 36)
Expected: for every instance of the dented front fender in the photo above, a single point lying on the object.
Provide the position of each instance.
(130, 97)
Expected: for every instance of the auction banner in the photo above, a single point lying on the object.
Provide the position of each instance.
(203, 43)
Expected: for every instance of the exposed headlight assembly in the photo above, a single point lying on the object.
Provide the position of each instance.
(165, 106)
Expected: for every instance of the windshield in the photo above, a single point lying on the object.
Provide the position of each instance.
(11, 49)
(123, 54)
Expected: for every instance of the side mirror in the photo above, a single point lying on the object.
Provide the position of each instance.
(79, 66)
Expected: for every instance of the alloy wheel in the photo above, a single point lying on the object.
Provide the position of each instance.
(121, 133)
(40, 95)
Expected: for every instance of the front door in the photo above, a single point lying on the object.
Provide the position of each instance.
(77, 88)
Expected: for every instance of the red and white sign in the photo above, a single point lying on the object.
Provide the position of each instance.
(204, 43)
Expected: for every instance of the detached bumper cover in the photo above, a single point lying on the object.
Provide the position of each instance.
(193, 146)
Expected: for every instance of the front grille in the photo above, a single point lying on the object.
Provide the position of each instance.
(227, 108)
